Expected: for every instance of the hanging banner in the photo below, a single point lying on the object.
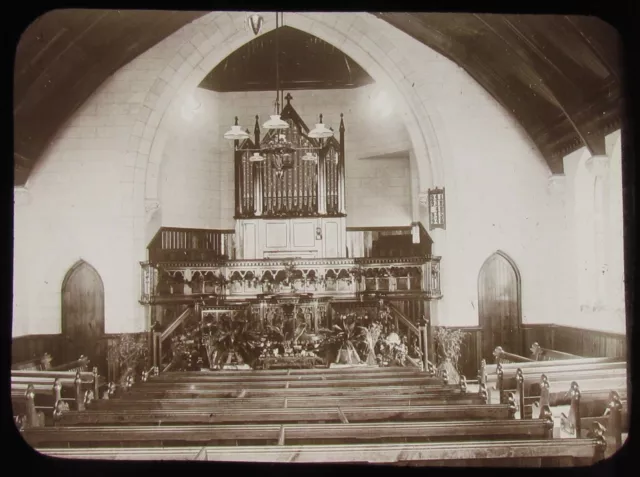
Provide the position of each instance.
(437, 214)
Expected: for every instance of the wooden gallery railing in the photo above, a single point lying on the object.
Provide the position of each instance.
(172, 244)
(245, 279)
(302, 188)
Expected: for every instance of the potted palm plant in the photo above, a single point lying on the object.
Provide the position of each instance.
(232, 343)
(340, 341)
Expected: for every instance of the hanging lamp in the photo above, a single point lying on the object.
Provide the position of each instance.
(320, 131)
(236, 132)
(275, 121)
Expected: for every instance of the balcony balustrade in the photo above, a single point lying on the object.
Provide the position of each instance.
(251, 279)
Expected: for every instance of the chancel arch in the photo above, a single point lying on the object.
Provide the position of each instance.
(499, 305)
(389, 71)
(82, 313)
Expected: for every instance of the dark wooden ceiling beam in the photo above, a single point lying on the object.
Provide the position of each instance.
(545, 72)
(305, 61)
(558, 76)
(56, 71)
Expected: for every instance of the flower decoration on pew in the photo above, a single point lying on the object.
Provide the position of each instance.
(129, 355)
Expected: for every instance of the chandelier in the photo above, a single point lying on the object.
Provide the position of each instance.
(279, 148)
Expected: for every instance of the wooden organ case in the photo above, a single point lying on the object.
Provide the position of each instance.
(298, 212)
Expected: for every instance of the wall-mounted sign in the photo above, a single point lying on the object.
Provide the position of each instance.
(437, 213)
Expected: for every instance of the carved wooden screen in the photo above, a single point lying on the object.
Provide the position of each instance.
(309, 188)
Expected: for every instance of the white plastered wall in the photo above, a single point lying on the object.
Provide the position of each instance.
(98, 192)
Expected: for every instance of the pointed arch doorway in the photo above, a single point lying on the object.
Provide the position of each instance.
(499, 305)
(83, 314)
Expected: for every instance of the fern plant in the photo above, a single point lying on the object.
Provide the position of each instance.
(232, 340)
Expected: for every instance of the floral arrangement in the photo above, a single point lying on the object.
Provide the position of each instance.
(129, 355)
(371, 336)
(356, 338)
(185, 347)
(340, 341)
(448, 350)
(232, 342)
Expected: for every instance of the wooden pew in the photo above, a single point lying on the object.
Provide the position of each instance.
(544, 354)
(282, 402)
(350, 371)
(510, 453)
(207, 413)
(65, 378)
(588, 415)
(290, 384)
(85, 386)
(503, 357)
(46, 394)
(25, 412)
(310, 379)
(230, 392)
(36, 364)
(530, 381)
(488, 373)
(290, 434)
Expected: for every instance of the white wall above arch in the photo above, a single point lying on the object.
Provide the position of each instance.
(100, 177)
(219, 34)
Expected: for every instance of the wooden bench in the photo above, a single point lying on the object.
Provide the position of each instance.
(510, 453)
(67, 379)
(530, 381)
(25, 413)
(280, 402)
(35, 364)
(266, 375)
(286, 434)
(503, 357)
(207, 413)
(347, 371)
(489, 373)
(538, 354)
(239, 391)
(587, 414)
(544, 354)
(49, 392)
(291, 384)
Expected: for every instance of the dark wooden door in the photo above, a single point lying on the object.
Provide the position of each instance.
(499, 306)
(83, 314)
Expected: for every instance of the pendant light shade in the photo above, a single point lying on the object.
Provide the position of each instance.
(256, 157)
(275, 122)
(236, 133)
(320, 131)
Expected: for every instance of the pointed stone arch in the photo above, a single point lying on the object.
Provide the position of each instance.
(218, 34)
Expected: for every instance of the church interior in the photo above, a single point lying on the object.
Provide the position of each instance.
(388, 238)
